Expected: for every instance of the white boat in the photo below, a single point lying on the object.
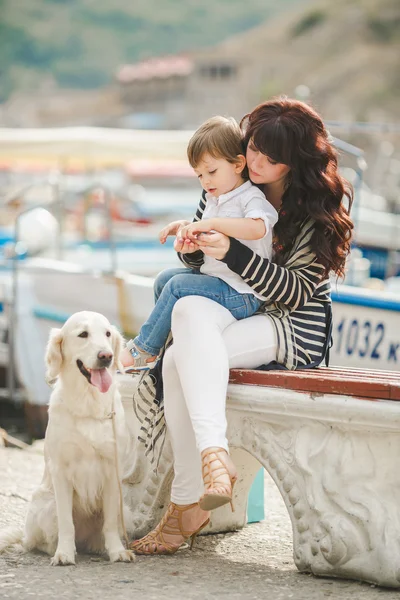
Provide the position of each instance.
(366, 332)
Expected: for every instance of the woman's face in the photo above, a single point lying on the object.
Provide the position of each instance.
(262, 169)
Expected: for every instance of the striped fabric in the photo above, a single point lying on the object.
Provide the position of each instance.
(297, 299)
(195, 260)
(150, 414)
(148, 405)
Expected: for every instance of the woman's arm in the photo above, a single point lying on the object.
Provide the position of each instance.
(192, 259)
(292, 285)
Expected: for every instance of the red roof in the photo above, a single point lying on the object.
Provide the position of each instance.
(162, 68)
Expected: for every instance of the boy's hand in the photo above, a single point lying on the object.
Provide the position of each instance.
(191, 231)
(171, 229)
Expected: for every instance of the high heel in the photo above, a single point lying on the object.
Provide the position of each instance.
(219, 476)
(171, 524)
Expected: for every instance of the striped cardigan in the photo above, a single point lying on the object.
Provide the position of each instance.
(297, 297)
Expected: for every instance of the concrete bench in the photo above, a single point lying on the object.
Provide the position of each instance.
(330, 439)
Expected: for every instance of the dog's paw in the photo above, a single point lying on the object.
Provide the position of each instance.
(62, 558)
(122, 556)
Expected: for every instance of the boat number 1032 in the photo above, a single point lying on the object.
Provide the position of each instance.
(365, 339)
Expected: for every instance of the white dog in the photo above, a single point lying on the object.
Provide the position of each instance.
(78, 502)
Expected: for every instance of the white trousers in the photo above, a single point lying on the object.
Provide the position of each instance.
(208, 341)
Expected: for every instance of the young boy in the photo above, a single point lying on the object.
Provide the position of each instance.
(234, 207)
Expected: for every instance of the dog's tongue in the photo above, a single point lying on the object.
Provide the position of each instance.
(101, 378)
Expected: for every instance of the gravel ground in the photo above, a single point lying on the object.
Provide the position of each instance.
(253, 563)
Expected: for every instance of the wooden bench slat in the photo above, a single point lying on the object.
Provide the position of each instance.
(356, 369)
(370, 373)
(320, 373)
(350, 382)
(347, 376)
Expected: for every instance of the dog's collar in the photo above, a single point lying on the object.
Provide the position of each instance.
(108, 417)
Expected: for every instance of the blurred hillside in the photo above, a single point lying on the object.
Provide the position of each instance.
(346, 52)
(61, 60)
(80, 43)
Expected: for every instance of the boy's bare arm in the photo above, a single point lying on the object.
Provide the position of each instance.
(244, 229)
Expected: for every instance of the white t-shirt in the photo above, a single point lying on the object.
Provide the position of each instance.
(246, 201)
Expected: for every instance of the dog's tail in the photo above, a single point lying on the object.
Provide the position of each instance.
(10, 537)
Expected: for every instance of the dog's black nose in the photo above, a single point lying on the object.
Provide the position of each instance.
(104, 358)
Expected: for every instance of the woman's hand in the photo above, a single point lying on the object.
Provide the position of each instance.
(214, 244)
(171, 229)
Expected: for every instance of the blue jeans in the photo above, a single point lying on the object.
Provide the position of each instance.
(173, 284)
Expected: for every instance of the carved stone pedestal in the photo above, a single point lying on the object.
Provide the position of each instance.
(335, 461)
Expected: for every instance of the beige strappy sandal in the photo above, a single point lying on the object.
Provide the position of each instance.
(171, 524)
(219, 476)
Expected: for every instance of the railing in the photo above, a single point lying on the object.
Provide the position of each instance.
(361, 166)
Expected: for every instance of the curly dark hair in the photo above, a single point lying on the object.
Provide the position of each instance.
(291, 132)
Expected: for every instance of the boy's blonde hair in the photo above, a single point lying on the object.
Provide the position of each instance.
(221, 137)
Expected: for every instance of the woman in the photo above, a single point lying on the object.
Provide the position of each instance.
(289, 155)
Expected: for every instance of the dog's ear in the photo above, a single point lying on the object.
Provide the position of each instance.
(53, 356)
(118, 345)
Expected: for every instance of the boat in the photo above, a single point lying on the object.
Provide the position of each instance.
(366, 330)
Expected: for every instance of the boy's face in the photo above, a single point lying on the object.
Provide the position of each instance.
(218, 176)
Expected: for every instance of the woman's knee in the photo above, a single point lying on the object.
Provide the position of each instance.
(189, 307)
(198, 309)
